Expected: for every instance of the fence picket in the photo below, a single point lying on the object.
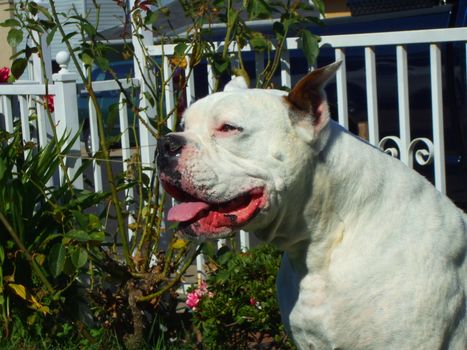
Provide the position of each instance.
(190, 83)
(126, 155)
(341, 82)
(286, 79)
(7, 113)
(403, 100)
(437, 110)
(371, 96)
(259, 65)
(169, 91)
(95, 146)
(24, 117)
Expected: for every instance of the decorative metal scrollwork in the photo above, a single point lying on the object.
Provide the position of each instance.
(423, 156)
(392, 151)
(421, 149)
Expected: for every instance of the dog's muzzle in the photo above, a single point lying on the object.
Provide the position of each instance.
(168, 153)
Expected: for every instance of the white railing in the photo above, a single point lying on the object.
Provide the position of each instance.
(30, 96)
(66, 116)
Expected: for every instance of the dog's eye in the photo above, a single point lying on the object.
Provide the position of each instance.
(229, 128)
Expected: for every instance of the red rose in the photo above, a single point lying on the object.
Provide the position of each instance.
(4, 74)
(49, 103)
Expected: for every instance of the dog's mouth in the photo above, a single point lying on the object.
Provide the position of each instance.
(198, 217)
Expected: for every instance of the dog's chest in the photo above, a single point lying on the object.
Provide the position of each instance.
(305, 308)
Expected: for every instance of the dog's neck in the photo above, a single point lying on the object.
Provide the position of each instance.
(309, 232)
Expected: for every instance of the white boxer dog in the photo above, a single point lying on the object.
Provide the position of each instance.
(374, 254)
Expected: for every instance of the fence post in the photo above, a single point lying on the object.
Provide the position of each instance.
(66, 115)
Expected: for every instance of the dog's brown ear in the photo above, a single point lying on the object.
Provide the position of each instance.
(308, 95)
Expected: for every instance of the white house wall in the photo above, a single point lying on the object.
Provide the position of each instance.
(111, 14)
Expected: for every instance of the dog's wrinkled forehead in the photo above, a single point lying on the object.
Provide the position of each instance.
(237, 106)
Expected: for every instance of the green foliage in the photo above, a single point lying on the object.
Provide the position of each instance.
(36, 221)
(67, 336)
(240, 309)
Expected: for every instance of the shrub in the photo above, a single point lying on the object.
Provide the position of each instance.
(44, 234)
(237, 307)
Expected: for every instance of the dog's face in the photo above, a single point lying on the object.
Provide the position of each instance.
(241, 154)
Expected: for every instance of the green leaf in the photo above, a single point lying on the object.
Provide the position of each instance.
(32, 7)
(103, 63)
(56, 259)
(219, 63)
(2, 255)
(86, 58)
(50, 36)
(14, 37)
(232, 18)
(78, 235)
(69, 36)
(79, 257)
(180, 49)
(310, 47)
(94, 222)
(208, 249)
(259, 42)
(45, 12)
(10, 23)
(3, 169)
(89, 29)
(18, 67)
(97, 236)
(319, 5)
(151, 17)
(259, 9)
(112, 116)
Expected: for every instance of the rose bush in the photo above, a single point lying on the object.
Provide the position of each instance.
(237, 307)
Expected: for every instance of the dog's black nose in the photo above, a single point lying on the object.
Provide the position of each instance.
(168, 150)
(170, 145)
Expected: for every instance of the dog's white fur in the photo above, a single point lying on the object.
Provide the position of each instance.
(374, 254)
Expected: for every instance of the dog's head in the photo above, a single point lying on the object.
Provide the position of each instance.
(241, 154)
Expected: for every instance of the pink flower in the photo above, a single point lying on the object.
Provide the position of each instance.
(4, 74)
(192, 300)
(252, 301)
(49, 103)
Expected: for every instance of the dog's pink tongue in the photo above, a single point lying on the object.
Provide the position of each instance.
(186, 211)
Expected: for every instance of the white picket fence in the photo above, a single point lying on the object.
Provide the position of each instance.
(64, 88)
